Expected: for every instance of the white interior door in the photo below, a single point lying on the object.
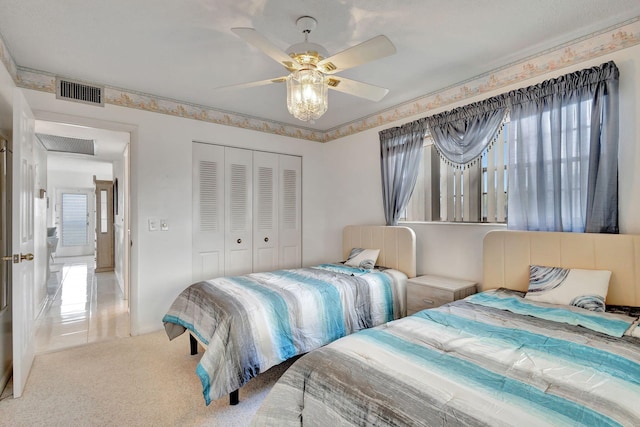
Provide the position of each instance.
(208, 211)
(290, 216)
(265, 211)
(238, 246)
(23, 195)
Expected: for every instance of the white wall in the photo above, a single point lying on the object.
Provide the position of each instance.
(7, 85)
(455, 249)
(160, 155)
(119, 225)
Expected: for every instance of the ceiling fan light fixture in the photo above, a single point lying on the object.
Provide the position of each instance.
(307, 91)
(312, 69)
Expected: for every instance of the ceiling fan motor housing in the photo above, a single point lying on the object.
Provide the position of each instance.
(307, 53)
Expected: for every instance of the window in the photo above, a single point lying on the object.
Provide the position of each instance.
(104, 215)
(562, 172)
(553, 177)
(75, 219)
(477, 193)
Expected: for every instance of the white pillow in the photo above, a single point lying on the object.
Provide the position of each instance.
(363, 258)
(581, 288)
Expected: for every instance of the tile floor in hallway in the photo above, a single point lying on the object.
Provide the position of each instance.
(83, 306)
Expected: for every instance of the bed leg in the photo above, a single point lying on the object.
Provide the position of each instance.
(234, 397)
(193, 344)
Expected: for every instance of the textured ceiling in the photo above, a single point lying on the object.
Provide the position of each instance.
(184, 50)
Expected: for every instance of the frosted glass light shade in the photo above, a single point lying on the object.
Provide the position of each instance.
(307, 94)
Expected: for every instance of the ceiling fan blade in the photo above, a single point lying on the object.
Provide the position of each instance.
(254, 84)
(256, 39)
(370, 50)
(353, 87)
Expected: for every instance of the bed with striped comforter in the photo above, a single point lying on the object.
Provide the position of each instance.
(492, 359)
(253, 322)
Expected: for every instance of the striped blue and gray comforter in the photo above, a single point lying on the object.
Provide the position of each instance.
(253, 322)
(491, 359)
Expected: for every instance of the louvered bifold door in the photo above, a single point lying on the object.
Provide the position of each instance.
(265, 211)
(238, 211)
(208, 211)
(290, 211)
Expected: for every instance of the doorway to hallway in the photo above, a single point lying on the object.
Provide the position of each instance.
(110, 147)
(87, 286)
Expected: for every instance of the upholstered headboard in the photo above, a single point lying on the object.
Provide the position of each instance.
(397, 245)
(508, 254)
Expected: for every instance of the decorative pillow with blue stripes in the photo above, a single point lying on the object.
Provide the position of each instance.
(363, 258)
(581, 288)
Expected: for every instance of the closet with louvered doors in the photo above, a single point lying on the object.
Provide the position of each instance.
(246, 211)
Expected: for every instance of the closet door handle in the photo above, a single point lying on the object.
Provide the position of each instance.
(266, 239)
(239, 241)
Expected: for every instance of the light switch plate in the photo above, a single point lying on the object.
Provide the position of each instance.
(164, 225)
(154, 224)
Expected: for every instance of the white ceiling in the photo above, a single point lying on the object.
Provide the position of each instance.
(184, 50)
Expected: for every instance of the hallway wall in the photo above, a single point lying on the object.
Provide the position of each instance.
(120, 227)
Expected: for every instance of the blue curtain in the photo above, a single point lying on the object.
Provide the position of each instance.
(462, 135)
(400, 155)
(563, 153)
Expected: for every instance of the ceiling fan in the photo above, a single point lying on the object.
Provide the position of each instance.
(312, 70)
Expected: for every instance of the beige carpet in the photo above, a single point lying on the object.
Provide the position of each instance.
(138, 381)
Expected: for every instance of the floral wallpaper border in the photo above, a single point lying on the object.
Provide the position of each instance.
(605, 42)
(7, 60)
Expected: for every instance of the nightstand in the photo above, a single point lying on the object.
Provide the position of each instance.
(433, 291)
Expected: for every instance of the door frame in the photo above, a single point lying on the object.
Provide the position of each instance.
(6, 341)
(128, 190)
